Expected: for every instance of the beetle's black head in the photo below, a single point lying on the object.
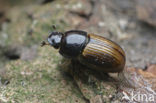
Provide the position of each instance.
(54, 39)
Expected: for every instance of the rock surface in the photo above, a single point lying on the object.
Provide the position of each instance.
(39, 75)
(146, 11)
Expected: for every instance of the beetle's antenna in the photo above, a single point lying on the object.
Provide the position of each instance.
(54, 27)
(43, 43)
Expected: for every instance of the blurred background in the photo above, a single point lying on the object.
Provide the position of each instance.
(29, 73)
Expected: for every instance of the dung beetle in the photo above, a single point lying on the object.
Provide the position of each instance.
(91, 50)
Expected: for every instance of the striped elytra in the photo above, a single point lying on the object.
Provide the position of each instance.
(103, 55)
(94, 51)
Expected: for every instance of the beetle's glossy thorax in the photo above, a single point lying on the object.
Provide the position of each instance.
(72, 43)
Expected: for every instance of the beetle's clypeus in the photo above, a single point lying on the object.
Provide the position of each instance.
(91, 50)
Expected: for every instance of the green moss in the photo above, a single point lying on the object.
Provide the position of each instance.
(40, 80)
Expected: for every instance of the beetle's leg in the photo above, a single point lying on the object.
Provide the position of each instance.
(75, 66)
(65, 64)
